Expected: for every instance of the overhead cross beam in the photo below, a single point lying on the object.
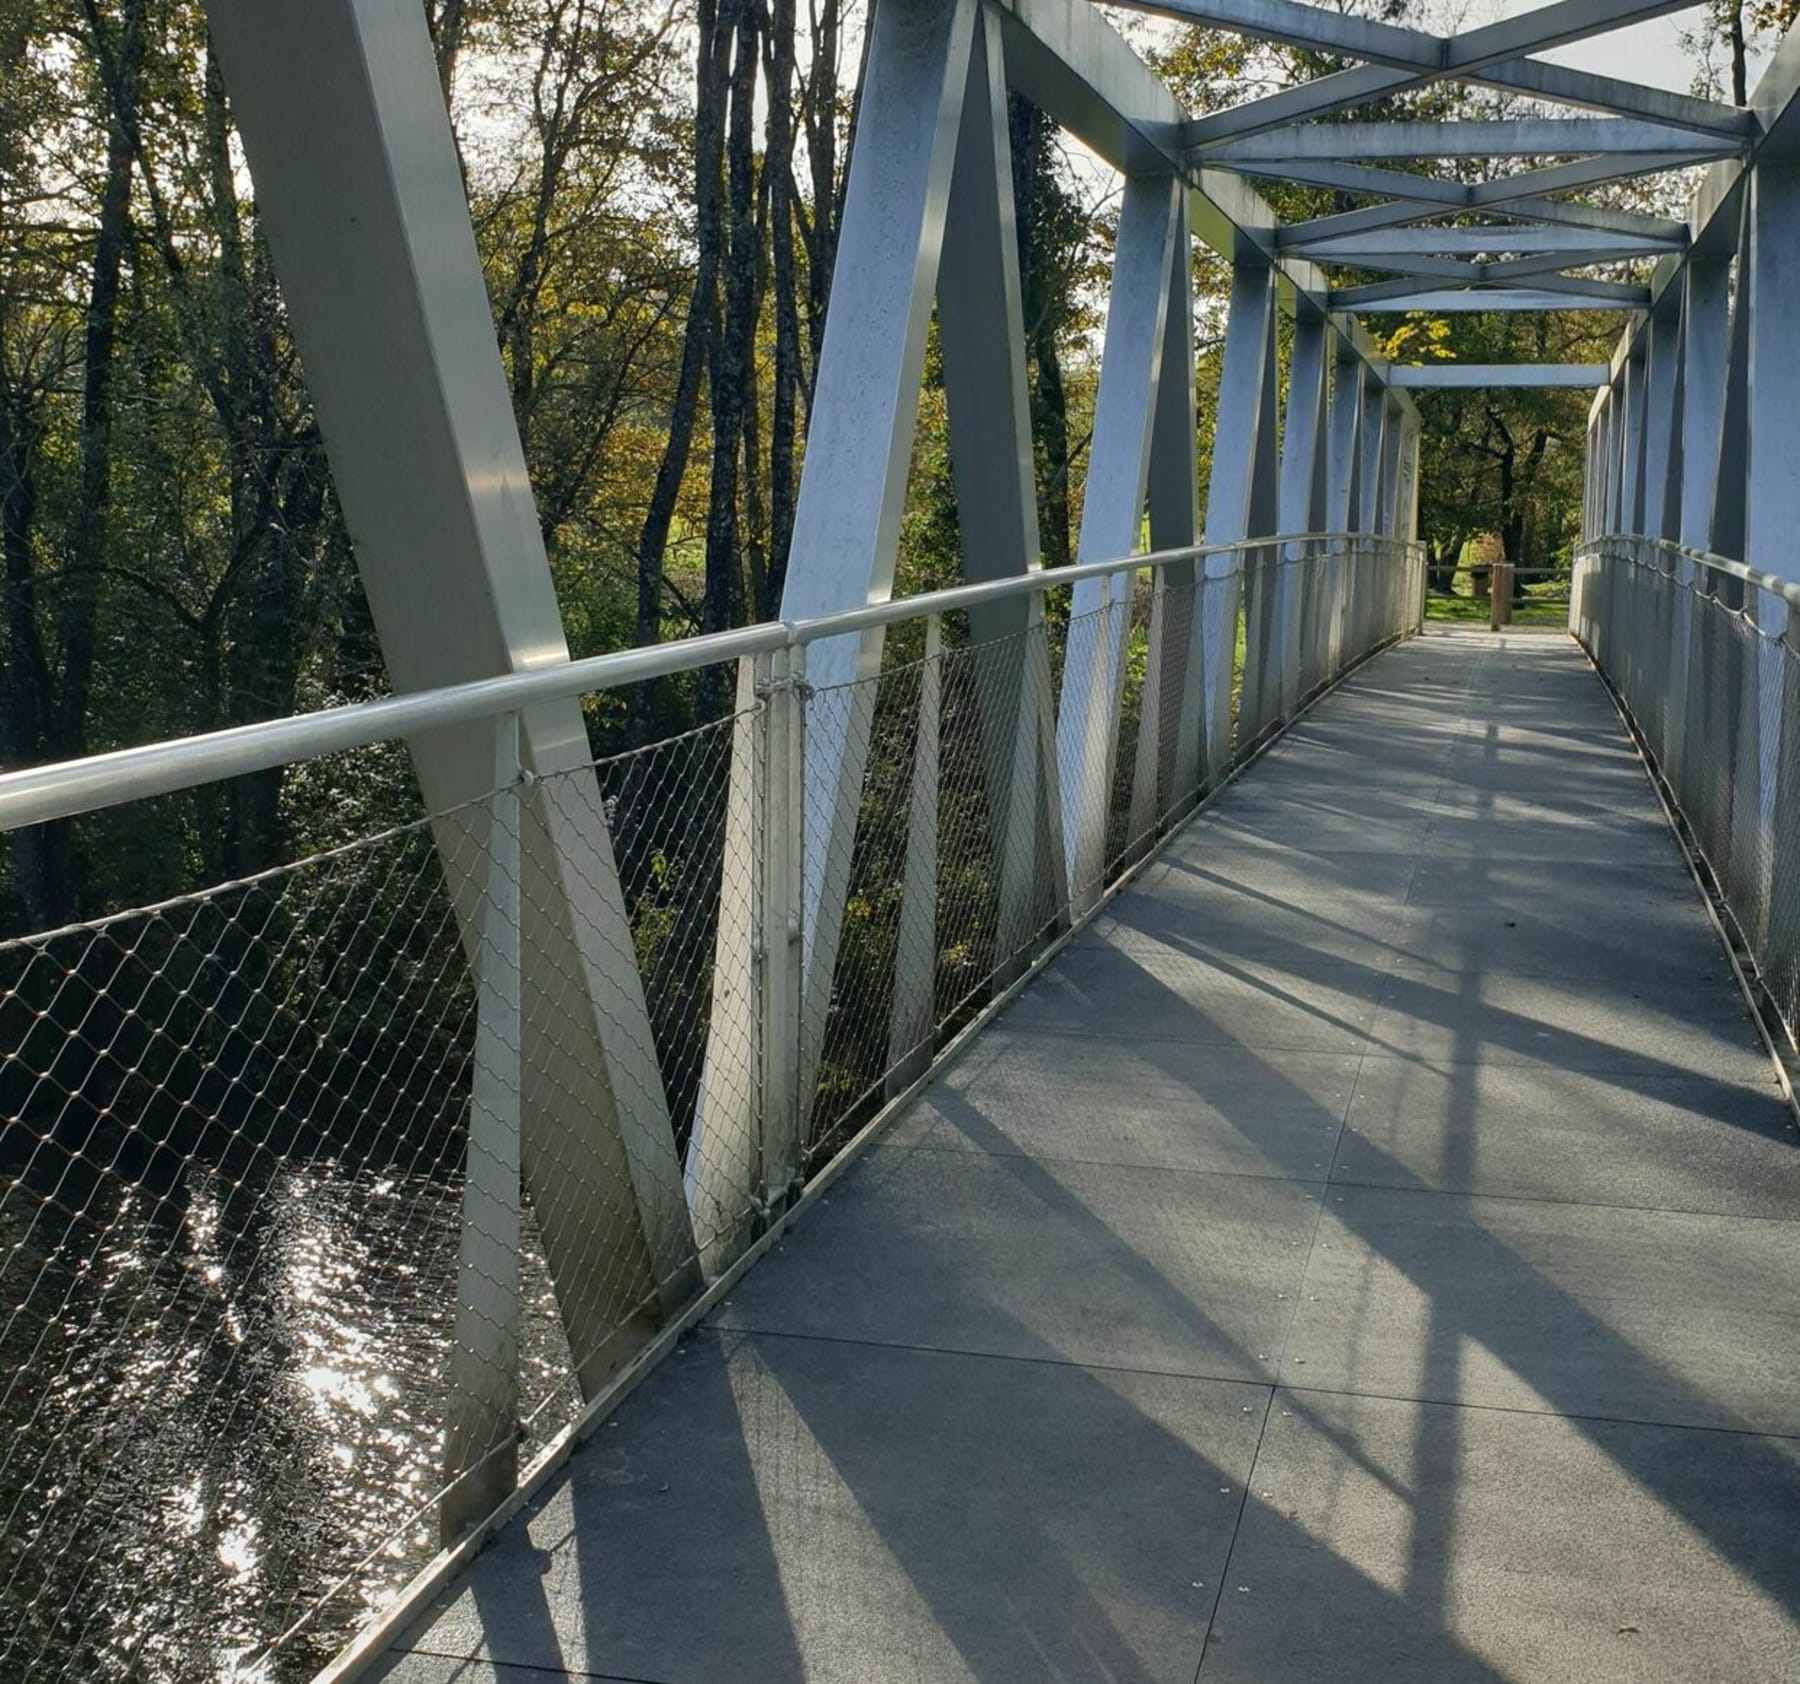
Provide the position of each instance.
(1387, 296)
(1405, 186)
(1396, 59)
(1477, 271)
(1481, 376)
(1526, 237)
(1524, 137)
(1593, 92)
(1372, 218)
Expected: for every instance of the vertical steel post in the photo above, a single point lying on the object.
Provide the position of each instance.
(1240, 499)
(481, 1453)
(1302, 496)
(1706, 328)
(981, 335)
(865, 405)
(910, 1018)
(785, 1103)
(1772, 516)
(1173, 495)
(1087, 725)
(723, 1167)
(1344, 499)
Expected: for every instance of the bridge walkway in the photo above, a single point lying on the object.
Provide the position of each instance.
(1371, 1252)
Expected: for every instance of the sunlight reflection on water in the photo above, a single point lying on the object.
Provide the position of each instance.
(221, 1415)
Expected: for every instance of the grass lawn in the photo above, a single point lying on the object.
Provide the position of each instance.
(1552, 610)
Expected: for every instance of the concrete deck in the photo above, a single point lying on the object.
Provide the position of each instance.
(1372, 1252)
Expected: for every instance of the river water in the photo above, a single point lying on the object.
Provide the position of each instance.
(221, 1415)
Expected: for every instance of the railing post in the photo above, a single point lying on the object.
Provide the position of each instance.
(782, 945)
(481, 1456)
(1146, 772)
(915, 943)
(722, 1173)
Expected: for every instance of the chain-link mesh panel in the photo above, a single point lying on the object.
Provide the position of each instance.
(255, 1253)
(234, 1132)
(1705, 662)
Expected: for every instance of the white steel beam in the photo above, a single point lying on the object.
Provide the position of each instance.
(1706, 309)
(1393, 66)
(1174, 519)
(1513, 268)
(847, 517)
(1480, 376)
(1087, 726)
(1602, 218)
(1343, 500)
(1505, 273)
(1387, 292)
(1241, 494)
(981, 333)
(1584, 88)
(1302, 495)
(1374, 218)
(360, 195)
(1523, 238)
(1497, 298)
(1516, 137)
(1770, 279)
(1771, 518)
(1726, 530)
(1662, 501)
(1471, 196)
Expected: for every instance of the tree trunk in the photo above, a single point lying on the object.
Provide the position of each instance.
(819, 116)
(733, 355)
(712, 44)
(784, 401)
(66, 725)
(24, 695)
(1740, 74)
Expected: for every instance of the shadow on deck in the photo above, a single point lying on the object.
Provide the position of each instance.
(1368, 1253)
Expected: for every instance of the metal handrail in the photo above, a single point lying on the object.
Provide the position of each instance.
(65, 789)
(1787, 589)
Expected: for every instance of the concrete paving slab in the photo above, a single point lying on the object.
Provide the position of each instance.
(1577, 1309)
(1283, 826)
(779, 1509)
(1390, 1540)
(1477, 836)
(1623, 1138)
(1670, 1024)
(1163, 995)
(1196, 870)
(1120, 1266)
(1156, 1104)
(1230, 929)
(1586, 892)
(1671, 937)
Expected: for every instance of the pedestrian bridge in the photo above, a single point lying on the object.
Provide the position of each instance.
(1367, 1251)
(1148, 1119)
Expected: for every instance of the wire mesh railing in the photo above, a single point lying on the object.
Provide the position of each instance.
(1705, 655)
(336, 1195)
